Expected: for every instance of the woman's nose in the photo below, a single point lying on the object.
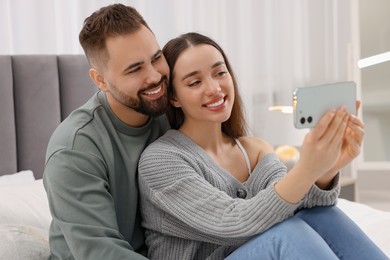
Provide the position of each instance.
(212, 87)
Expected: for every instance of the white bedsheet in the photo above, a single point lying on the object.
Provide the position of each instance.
(25, 219)
(375, 223)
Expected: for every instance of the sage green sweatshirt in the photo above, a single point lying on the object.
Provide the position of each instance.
(91, 183)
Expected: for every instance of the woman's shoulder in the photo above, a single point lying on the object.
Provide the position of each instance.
(171, 142)
(255, 147)
(256, 143)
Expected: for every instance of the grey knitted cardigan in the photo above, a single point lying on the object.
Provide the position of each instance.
(190, 207)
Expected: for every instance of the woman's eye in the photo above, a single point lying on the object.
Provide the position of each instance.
(194, 83)
(221, 73)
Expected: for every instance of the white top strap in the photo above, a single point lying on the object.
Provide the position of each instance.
(248, 164)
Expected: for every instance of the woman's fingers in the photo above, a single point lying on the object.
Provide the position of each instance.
(358, 103)
(353, 145)
(355, 120)
(355, 129)
(336, 128)
(338, 136)
(332, 120)
(323, 124)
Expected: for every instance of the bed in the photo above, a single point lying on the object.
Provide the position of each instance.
(36, 93)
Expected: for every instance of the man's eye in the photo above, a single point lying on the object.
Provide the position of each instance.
(134, 70)
(156, 58)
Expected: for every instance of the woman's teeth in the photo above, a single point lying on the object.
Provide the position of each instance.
(218, 103)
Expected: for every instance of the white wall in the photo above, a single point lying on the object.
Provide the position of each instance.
(274, 45)
(375, 39)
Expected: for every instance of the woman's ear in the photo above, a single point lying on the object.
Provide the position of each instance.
(174, 102)
(98, 79)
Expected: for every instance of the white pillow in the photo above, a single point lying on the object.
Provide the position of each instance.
(17, 178)
(23, 243)
(25, 204)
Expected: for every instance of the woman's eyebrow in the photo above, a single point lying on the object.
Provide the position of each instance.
(190, 74)
(218, 63)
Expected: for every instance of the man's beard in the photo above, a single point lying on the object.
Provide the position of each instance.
(152, 108)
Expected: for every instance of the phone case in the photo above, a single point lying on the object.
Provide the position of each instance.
(310, 103)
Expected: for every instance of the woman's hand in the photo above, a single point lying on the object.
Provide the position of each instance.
(332, 144)
(322, 146)
(320, 151)
(352, 142)
(351, 147)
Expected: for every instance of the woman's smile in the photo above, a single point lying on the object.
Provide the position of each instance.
(216, 104)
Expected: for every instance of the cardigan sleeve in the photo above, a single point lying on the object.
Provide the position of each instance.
(318, 197)
(194, 209)
(314, 197)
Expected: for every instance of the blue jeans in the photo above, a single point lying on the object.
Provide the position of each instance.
(316, 233)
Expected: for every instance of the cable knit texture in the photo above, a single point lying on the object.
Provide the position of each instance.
(190, 207)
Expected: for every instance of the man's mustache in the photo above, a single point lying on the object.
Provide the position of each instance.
(152, 86)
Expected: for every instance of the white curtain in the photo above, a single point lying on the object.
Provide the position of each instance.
(274, 45)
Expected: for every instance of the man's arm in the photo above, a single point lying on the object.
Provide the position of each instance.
(84, 218)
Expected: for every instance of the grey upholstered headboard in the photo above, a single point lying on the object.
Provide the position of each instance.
(36, 93)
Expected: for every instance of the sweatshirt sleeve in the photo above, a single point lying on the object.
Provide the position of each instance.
(82, 209)
(194, 209)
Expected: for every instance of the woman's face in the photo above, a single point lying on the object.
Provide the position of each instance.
(203, 85)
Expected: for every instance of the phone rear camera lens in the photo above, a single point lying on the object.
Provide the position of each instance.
(302, 120)
(309, 119)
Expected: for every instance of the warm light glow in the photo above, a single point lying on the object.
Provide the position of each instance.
(283, 109)
(374, 60)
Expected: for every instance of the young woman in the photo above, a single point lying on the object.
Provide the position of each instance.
(208, 191)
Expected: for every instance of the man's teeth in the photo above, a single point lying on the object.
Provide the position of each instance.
(216, 103)
(153, 92)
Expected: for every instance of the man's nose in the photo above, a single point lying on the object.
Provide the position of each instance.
(152, 75)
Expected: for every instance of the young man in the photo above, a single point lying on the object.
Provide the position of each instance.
(92, 157)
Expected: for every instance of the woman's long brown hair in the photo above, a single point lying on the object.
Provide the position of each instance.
(236, 125)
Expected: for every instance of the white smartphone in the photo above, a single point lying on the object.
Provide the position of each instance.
(310, 103)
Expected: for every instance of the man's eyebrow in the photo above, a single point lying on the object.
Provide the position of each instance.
(131, 66)
(218, 63)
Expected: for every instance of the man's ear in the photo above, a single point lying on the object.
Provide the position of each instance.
(174, 102)
(98, 79)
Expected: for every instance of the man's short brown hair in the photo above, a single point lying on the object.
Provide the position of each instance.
(109, 21)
